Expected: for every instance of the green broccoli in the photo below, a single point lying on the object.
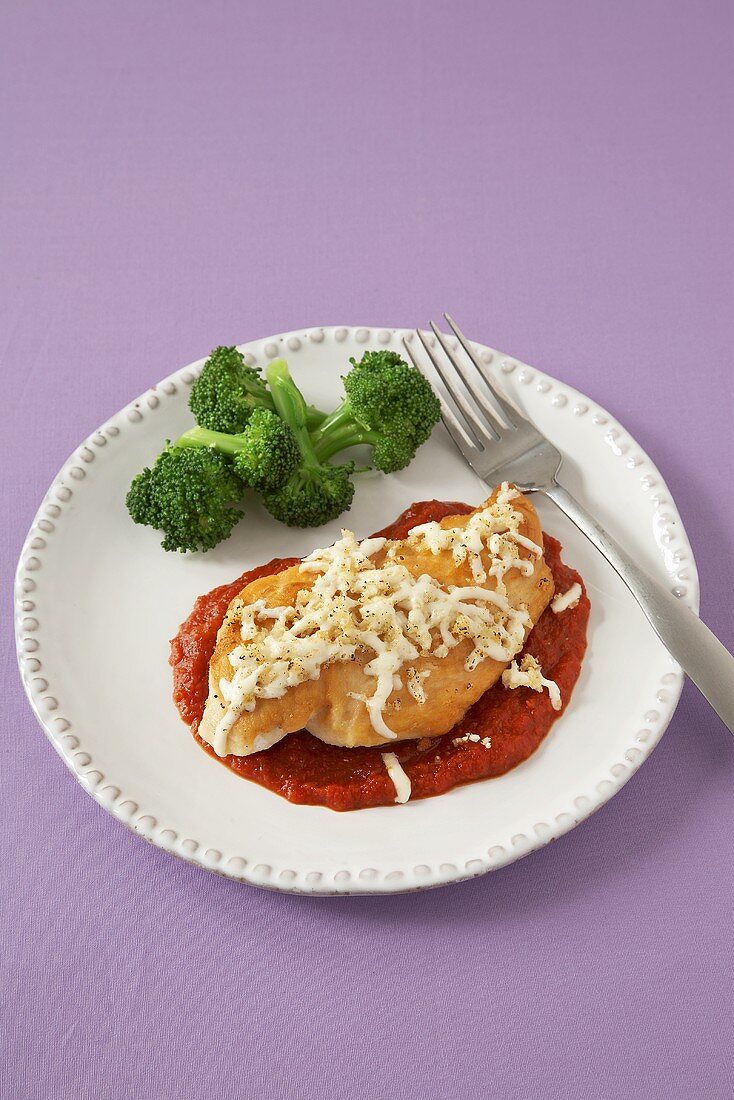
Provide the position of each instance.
(189, 496)
(316, 491)
(227, 392)
(259, 433)
(264, 455)
(269, 454)
(388, 405)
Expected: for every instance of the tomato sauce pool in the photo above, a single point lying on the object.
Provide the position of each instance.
(305, 770)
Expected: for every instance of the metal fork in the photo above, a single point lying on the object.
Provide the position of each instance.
(507, 447)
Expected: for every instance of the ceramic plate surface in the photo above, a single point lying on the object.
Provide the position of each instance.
(97, 601)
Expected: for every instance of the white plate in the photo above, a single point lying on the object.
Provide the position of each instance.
(98, 600)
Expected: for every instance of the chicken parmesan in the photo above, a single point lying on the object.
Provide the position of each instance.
(399, 642)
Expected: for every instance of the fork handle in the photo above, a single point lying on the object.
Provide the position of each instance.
(689, 641)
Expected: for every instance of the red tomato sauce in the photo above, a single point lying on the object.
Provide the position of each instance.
(305, 770)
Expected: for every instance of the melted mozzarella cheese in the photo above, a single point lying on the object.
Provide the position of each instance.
(475, 739)
(355, 605)
(529, 674)
(415, 684)
(566, 600)
(494, 528)
(400, 780)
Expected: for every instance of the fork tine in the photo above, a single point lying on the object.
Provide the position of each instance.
(466, 445)
(511, 414)
(482, 431)
(468, 377)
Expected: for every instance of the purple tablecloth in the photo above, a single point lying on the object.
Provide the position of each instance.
(560, 176)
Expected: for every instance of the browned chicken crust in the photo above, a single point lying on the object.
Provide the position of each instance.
(325, 706)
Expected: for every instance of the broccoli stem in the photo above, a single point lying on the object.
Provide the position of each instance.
(340, 431)
(341, 416)
(203, 437)
(291, 407)
(314, 417)
(337, 439)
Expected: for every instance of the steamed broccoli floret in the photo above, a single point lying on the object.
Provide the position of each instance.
(269, 453)
(388, 405)
(259, 433)
(312, 496)
(264, 455)
(226, 393)
(189, 496)
(316, 491)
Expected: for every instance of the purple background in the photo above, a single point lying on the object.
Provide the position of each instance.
(560, 176)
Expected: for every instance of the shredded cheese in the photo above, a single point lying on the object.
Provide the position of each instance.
(529, 674)
(415, 683)
(400, 779)
(475, 738)
(566, 600)
(356, 606)
(494, 528)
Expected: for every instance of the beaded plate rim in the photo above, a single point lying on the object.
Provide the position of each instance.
(68, 742)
